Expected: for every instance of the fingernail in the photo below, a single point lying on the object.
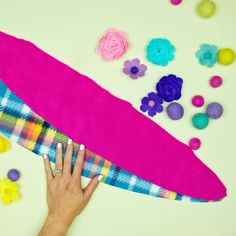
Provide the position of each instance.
(59, 145)
(81, 147)
(45, 156)
(69, 141)
(100, 177)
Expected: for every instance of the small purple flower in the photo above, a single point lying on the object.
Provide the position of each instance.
(169, 88)
(152, 104)
(134, 69)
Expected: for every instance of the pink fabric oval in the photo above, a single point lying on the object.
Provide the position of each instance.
(107, 125)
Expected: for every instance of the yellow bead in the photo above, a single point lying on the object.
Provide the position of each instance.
(206, 8)
(4, 145)
(226, 56)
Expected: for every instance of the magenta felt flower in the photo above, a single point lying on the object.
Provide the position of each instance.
(113, 45)
(134, 69)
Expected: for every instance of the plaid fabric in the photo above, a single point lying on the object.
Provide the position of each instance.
(19, 123)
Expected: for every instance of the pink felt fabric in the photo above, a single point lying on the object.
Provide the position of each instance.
(107, 125)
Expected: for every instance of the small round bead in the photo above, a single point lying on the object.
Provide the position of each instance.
(214, 110)
(216, 81)
(198, 101)
(175, 2)
(195, 143)
(175, 111)
(13, 174)
(134, 70)
(200, 121)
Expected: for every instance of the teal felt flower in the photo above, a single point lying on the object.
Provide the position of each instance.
(207, 55)
(160, 51)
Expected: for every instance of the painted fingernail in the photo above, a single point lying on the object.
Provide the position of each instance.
(59, 145)
(69, 141)
(45, 156)
(100, 177)
(81, 147)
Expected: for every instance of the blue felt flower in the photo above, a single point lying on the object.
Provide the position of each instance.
(160, 51)
(152, 104)
(207, 55)
(169, 88)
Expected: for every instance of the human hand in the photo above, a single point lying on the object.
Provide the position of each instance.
(65, 197)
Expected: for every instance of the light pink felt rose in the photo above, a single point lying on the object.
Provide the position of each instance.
(113, 45)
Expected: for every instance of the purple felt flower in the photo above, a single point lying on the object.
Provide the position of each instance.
(134, 69)
(169, 88)
(152, 104)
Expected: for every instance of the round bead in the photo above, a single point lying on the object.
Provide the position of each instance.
(134, 70)
(151, 103)
(214, 110)
(206, 8)
(195, 143)
(200, 121)
(198, 101)
(216, 81)
(13, 174)
(175, 111)
(226, 56)
(175, 2)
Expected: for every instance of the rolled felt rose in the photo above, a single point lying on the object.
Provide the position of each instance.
(113, 45)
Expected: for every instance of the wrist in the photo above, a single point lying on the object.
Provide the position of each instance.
(57, 223)
(59, 220)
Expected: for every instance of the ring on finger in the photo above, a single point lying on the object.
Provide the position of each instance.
(57, 171)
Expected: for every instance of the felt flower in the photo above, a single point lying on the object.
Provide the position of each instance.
(4, 144)
(113, 45)
(207, 55)
(169, 88)
(152, 104)
(134, 69)
(9, 191)
(160, 51)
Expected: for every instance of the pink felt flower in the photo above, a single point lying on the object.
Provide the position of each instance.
(113, 45)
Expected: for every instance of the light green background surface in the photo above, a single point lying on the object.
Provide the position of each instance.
(70, 30)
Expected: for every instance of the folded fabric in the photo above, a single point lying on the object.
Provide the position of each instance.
(20, 124)
(107, 125)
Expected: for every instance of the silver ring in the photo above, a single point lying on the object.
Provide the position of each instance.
(56, 171)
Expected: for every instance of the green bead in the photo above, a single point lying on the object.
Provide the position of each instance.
(206, 8)
(200, 121)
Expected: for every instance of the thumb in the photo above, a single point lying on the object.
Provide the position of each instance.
(88, 191)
